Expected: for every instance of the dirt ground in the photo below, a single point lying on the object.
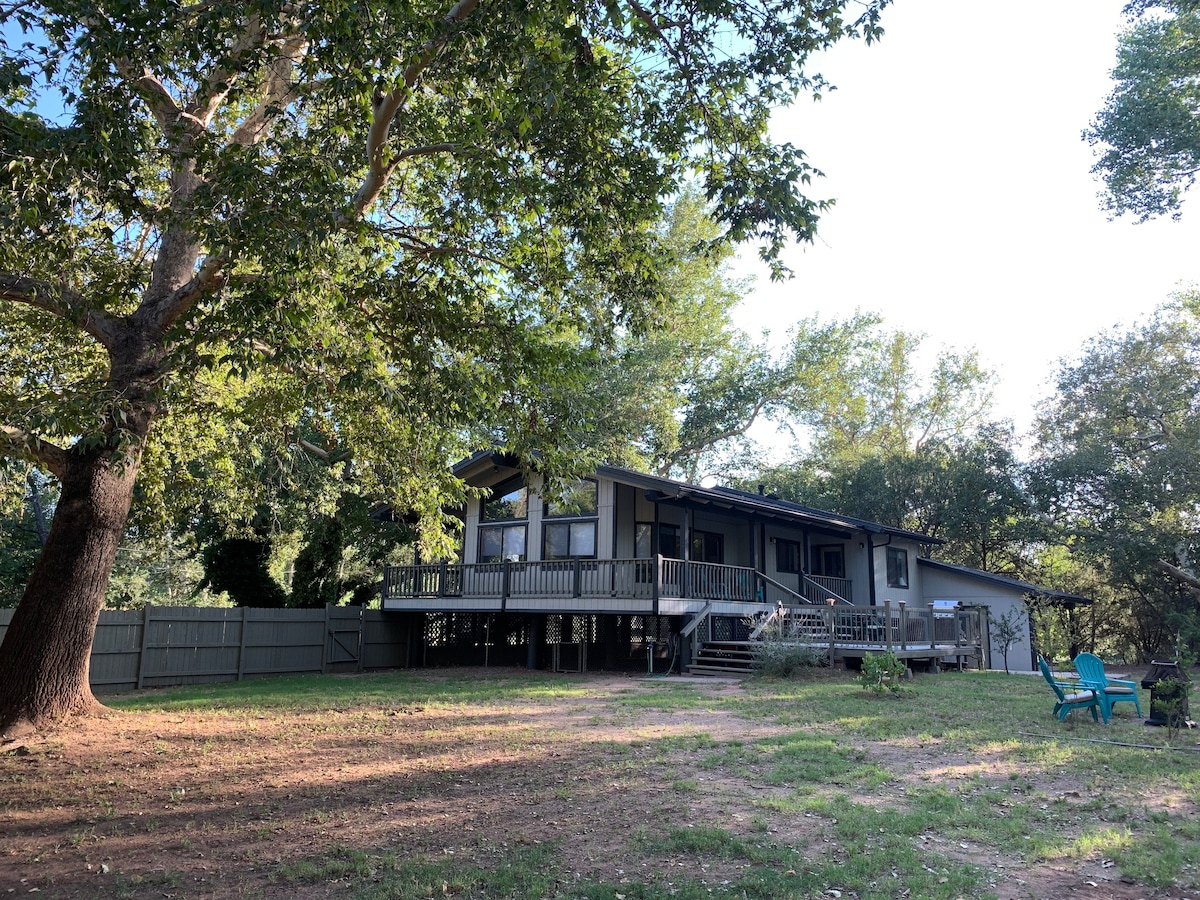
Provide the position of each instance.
(214, 805)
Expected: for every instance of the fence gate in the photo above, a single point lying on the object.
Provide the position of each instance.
(344, 639)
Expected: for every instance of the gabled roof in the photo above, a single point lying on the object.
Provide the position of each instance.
(762, 505)
(668, 490)
(1024, 587)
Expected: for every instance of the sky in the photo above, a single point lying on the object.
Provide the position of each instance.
(965, 204)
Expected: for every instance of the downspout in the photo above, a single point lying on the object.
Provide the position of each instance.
(871, 564)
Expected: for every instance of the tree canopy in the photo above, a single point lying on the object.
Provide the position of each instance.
(407, 224)
(1117, 468)
(1149, 129)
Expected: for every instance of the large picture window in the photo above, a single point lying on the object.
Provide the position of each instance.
(897, 567)
(501, 542)
(566, 540)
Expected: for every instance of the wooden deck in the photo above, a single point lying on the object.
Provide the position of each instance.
(656, 586)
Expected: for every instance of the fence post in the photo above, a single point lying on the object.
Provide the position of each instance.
(362, 643)
(241, 672)
(146, 617)
(903, 624)
(326, 645)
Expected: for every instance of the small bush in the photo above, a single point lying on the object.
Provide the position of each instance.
(881, 672)
(777, 659)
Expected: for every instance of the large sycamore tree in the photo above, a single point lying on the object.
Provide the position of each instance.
(400, 219)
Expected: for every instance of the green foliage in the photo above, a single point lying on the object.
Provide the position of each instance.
(237, 566)
(1117, 470)
(882, 672)
(383, 235)
(1171, 704)
(1149, 130)
(781, 659)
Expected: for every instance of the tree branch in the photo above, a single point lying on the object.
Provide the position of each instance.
(387, 106)
(164, 312)
(15, 442)
(59, 301)
(1191, 581)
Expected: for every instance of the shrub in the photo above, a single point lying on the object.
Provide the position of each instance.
(779, 659)
(881, 672)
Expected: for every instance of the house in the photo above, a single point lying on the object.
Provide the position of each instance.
(629, 570)
(1002, 596)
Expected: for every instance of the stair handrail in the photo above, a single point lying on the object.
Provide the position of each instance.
(695, 622)
(783, 587)
(833, 598)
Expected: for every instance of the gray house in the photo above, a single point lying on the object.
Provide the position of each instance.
(629, 570)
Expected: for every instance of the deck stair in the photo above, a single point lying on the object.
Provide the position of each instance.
(725, 658)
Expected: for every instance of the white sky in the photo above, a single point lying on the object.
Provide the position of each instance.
(966, 208)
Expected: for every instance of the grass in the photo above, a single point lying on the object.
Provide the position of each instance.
(875, 796)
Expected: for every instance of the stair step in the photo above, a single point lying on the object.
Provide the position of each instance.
(717, 670)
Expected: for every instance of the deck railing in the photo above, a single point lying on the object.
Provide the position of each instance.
(891, 626)
(587, 578)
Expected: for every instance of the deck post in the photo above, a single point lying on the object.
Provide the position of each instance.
(903, 624)
(577, 577)
(887, 630)
(832, 633)
(442, 573)
(504, 571)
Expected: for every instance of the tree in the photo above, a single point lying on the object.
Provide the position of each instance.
(1117, 467)
(415, 219)
(1149, 129)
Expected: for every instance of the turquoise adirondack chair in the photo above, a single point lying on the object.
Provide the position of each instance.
(1091, 675)
(1069, 695)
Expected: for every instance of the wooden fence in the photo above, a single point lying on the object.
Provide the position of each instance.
(163, 645)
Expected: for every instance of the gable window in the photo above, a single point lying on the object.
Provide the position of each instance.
(789, 556)
(508, 500)
(577, 499)
(897, 567)
(829, 560)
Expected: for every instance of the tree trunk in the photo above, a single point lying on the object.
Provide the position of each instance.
(45, 656)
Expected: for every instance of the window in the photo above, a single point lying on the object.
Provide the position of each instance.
(669, 544)
(576, 499)
(565, 540)
(829, 560)
(643, 541)
(509, 500)
(789, 556)
(897, 567)
(708, 546)
(501, 542)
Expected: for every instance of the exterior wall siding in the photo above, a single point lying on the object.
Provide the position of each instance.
(999, 600)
